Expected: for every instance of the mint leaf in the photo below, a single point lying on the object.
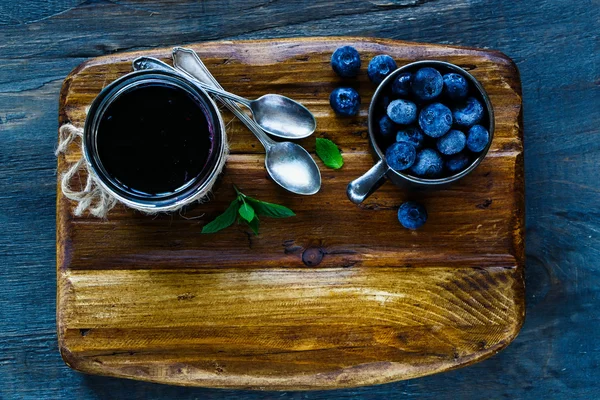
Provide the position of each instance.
(254, 225)
(270, 209)
(246, 212)
(329, 153)
(224, 220)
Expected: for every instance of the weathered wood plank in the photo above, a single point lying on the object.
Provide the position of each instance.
(231, 329)
(480, 218)
(310, 80)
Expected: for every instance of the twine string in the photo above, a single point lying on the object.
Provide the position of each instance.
(92, 197)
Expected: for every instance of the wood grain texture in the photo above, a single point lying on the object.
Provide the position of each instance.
(555, 355)
(152, 299)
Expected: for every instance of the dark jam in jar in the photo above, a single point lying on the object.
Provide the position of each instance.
(154, 139)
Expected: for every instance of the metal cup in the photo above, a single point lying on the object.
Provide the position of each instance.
(193, 189)
(361, 188)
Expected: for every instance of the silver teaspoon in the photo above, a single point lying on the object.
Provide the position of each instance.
(288, 164)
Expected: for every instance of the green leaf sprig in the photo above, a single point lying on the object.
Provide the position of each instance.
(329, 153)
(247, 209)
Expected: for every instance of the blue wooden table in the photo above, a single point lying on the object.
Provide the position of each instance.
(556, 46)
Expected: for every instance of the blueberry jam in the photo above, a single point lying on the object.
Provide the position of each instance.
(154, 139)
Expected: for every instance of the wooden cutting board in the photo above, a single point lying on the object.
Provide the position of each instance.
(338, 296)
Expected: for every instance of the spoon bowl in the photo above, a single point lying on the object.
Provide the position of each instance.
(281, 117)
(293, 168)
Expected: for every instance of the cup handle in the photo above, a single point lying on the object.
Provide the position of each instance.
(361, 188)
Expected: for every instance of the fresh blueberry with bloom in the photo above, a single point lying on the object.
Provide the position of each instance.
(435, 120)
(427, 84)
(402, 112)
(387, 127)
(345, 61)
(477, 138)
(457, 162)
(345, 101)
(428, 164)
(456, 86)
(452, 142)
(468, 113)
(412, 215)
(412, 135)
(402, 83)
(379, 67)
(400, 155)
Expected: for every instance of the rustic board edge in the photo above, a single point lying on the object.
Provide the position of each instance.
(360, 375)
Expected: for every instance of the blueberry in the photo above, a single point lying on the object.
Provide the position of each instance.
(380, 67)
(387, 127)
(345, 61)
(412, 215)
(401, 85)
(412, 135)
(457, 162)
(345, 101)
(402, 112)
(468, 113)
(477, 138)
(452, 142)
(435, 119)
(455, 86)
(400, 155)
(427, 83)
(428, 164)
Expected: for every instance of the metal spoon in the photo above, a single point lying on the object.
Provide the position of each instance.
(288, 164)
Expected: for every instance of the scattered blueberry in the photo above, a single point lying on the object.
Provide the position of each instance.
(400, 155)
(457, 162)
(401, 85)
(412, 135)
(477, 138)
(435, 120)
(427, 83)
(380, 67)
(345, 101)
(452, 142)
(387, 127)
(402, 112)
(455, 86)
(412, 215)
(428, 164)
(345, 61)
(469, 113)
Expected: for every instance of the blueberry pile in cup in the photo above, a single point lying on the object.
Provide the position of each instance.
(431, 123)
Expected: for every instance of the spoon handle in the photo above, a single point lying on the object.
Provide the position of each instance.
(143, 62)
(186, 60)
